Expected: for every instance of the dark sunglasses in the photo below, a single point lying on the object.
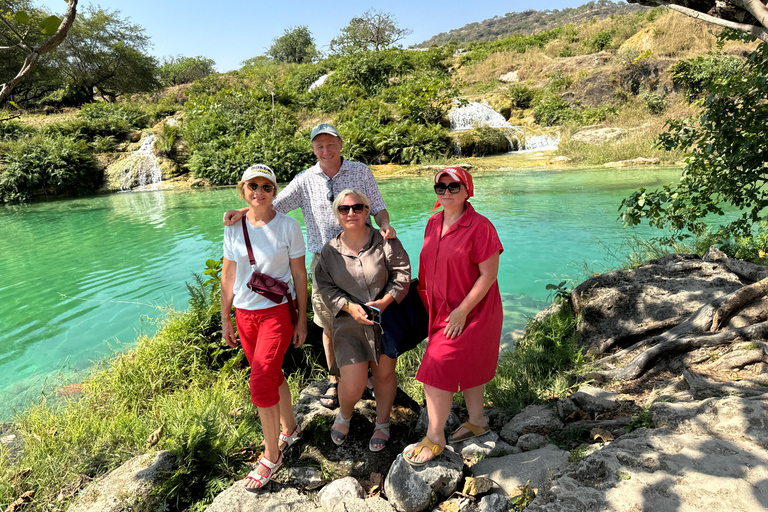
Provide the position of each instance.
(452, 187)
(357, 208)
(329, 184)
(265, 187)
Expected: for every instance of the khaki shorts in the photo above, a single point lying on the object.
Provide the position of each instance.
(323, 316)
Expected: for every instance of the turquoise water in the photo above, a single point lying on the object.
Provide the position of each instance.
(84, 277)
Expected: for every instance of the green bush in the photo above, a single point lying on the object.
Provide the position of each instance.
(653, 102)
(89, 129)
(521, 95)
(482, 141)
(411, 143)
(46, 166)
(134, 115)
(13, 130)
(427, 99)
(599, 41)
(554, 110)
(694, 76)
(371, 70)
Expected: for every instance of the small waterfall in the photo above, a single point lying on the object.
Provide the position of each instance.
(475, 114)
(521, 138)
(141, 167)
(320, 81)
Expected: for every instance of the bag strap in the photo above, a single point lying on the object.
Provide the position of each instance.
(248, 242)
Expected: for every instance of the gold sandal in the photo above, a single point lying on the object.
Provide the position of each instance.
(474, 431)
(415, 449)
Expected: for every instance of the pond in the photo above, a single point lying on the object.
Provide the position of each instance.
(85, 277)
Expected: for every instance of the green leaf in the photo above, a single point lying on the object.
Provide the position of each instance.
(50, 25)
(14, 104)
(21, 17)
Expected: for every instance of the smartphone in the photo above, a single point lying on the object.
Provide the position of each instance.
(372, 313)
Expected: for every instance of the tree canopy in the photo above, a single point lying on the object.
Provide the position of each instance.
(727, 163)
(177, 70)
(296, 46)
(373, 30)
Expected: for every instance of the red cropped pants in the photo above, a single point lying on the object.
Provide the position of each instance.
(265, 335)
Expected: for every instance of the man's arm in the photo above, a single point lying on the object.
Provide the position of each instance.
(232, 216)
(385, 228)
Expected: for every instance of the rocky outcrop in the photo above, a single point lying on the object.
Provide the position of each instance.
(633, 162)
(129, 487)
(409, 488)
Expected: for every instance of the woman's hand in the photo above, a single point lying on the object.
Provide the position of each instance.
(300, 332)
(358, 313)
(381, 303)
(228, 332)
(456, 321)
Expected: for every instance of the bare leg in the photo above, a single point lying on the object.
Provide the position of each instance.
(329, 357)
(439, 407)
(270, 427)
(385, 387)
(473, 398)
(351, 386)
(287, 419)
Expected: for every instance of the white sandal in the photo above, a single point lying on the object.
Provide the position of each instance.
(376, 444)
(291, 439)
(337, 437)
(261, 479)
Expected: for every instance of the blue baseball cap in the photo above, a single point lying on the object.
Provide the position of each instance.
(323, 128)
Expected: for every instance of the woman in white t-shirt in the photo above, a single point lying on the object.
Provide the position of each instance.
(265, 327)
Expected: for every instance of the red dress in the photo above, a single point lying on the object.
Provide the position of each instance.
(448, 268)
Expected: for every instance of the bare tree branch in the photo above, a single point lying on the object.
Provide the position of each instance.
(34, 55)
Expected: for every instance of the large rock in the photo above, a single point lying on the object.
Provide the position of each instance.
(597, 135)
(409, 488)
(595, 400)
(284, 499)
(512, 471)
(633, 162)
(536, 418)
(664, 471)
(338, 490)
(375, 504)
(128, 487)
(613, 304)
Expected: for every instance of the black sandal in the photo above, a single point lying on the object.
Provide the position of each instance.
(334, 398)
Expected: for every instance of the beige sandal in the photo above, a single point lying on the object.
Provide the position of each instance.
(473, 431)
(415, 449)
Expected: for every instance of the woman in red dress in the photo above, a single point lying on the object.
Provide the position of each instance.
(458, 266)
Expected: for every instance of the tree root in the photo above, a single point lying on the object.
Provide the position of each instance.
(702, 387)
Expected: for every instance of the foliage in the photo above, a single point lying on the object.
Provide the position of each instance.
(540, 366)
(599, 41)
(561, 291)
(296, 45)
(554, 110)
(177, 70)
(372, 70)
(46, 166)
(695, 76)
(478, 51)
(373, 30)
(427, 99)
(726, 162)
(750, 247)
(642, 419)
(654, 103)
(412, 143)
(522, 500)
(482, 141)
(521, 96)
(106, 53)
(13, 130)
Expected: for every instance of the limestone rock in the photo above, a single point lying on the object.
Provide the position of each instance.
(475, 486)
(619, 302)
(534, 418)
(567, 409)
(594, 135)
(528, 442)
(493, 503)
(595, 400)
(308, 477)
(284, 499)
(488, 445)
(561, 160)
(375, 504)
(512, 471)
(635, 161)
(409, 488)
(662, 470)
(128, 487)
(338, 490)
(511, 77)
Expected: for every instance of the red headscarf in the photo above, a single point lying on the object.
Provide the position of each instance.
(458, 174)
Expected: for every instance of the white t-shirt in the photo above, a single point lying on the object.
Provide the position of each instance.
(273, 246)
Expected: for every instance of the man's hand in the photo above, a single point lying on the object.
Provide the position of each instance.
(232, 216)
(387, 231)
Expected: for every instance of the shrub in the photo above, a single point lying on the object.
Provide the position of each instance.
(13, 130)
(599, 41)
(427, 99)
(483, 141)
(49, 166)
(653, 102)
(694, 76)
(88, 129)
(371, 70)
(521, 95)
(411, 143)
(115, 112)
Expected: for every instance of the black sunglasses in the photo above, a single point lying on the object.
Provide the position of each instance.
(329, 184)
(265, 187)
(357, 208)
(452, 187)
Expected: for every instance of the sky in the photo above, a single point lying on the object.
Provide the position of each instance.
(230, 32)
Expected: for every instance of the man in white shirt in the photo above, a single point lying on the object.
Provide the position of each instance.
(313, 190)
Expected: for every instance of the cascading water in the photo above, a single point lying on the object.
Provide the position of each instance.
(521, 138)
(320, 81)
(141, 167)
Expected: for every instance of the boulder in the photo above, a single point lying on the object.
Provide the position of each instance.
(374, 504)
(493, 503)
(275, 499)
(409, 488)
(129, 487)
(511, 77)
(528, 442)
(307, 477)
(595, 400)
(338, 490)
(595, 135)
(662, 470)
(534, 418)
(512, 471)
(634, 162)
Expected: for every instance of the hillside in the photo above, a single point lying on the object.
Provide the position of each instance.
(530, 22)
